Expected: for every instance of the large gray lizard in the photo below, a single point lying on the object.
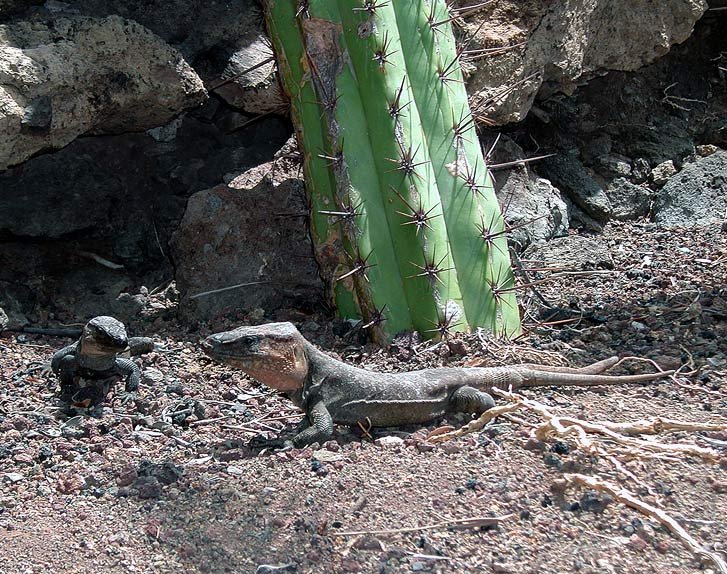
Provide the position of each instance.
(330, 391)
(100, 357)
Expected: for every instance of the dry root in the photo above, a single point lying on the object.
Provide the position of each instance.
(579, 431)
(625, 497)
(607, 440)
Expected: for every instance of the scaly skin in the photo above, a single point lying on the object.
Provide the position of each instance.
(100, 357)
(330, 391)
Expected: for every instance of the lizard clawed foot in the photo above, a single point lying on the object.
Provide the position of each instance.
(128, 397)
(278, 444)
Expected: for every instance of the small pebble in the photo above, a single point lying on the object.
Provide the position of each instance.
(234, 470)
(389, 441)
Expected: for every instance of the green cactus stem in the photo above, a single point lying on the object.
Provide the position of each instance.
(404, 219)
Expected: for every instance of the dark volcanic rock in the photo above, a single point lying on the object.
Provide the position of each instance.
(116, 197)
(574, 252)
(251, 230)
(568, 174)
(531, 206)
(628, 200)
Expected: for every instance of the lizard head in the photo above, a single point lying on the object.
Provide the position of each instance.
(274, 354)
(104, 336)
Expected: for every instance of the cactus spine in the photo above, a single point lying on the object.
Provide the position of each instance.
(404, 218)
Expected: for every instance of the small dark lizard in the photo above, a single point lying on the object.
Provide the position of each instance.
(330, 391)
(100, 357)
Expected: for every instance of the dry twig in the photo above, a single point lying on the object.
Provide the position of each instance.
(627, 498)
(458, 523)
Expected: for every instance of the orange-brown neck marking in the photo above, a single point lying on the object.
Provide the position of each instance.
(284, 367)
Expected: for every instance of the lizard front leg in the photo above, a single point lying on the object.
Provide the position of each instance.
(470, 400)
(140, 345)
(130, 370)
(62, 359)
(321, 425)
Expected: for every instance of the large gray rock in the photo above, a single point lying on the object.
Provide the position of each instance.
(565, 42)
(248, 85)
(251, 230)
(573, 252)
(129, 190)
(628, 200)
(570, 176)
(11, 7)
(697, 195)
(220, 39)
(16, 299)
(71, 75)
(531, 206)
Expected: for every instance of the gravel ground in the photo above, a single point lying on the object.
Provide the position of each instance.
(171, 483)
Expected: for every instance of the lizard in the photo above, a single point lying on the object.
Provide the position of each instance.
(99, 358)
(330, 391)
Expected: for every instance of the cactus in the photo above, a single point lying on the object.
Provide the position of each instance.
(405, 223)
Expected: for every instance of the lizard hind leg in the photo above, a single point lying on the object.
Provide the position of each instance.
(470, 400)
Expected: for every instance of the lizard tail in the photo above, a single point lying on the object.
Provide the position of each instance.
(594, 368)
(546, 378)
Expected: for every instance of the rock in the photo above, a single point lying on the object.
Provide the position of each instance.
(166, 472)
(242, 234)
(706, 150)
(124, 215)
(594, 501)
(526, 198)
(720, 486)
(574, 252)
(17, 299)
(70, 482)
(271, 569)
(562, 52)
(553, 460)
(697, 195)
(148, 487)
(126, 476)
(151, 377)
(389, 441)
(641, 170)
(534, 444)
(637, 543)
(424, 446)
(232, 454)
(570, 176)
(450, 448)
(221, 39)
(628, 200)
(65, 76)
(257, 91)
(128, 306)
(13, 477)
(662, 172)
(234, 470)
(3, 320)
(327, 456)
(613, 165)
(10, 7)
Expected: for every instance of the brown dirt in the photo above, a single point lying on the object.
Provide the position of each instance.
(138, 490)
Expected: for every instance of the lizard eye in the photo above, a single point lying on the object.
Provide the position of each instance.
(248, 341)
